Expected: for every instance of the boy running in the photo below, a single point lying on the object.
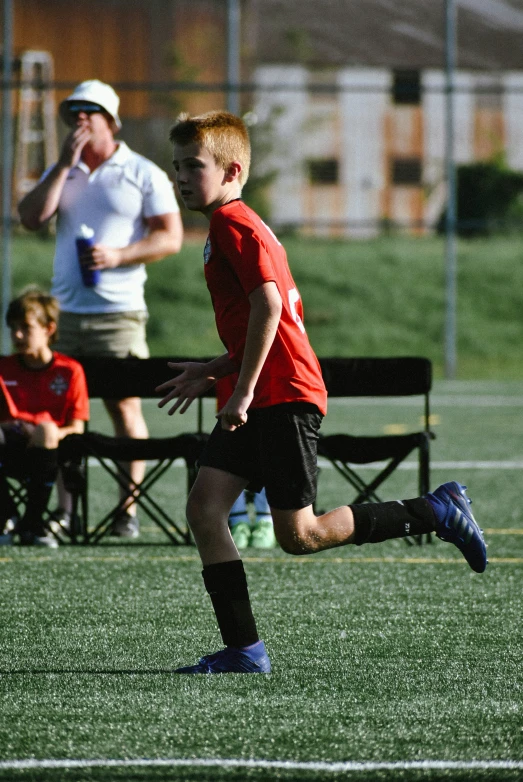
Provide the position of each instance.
(267, 431)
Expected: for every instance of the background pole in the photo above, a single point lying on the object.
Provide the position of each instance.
(233, 55)
(450, 221)
(7, 167)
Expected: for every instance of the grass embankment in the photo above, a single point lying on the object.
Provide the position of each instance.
(375, 297)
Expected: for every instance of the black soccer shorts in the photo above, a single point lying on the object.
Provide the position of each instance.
(277, 448)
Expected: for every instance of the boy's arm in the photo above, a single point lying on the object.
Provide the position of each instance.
(266, 306)
(76, 426)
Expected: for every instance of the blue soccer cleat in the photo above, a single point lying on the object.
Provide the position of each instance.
(456, 524)
(231, 660)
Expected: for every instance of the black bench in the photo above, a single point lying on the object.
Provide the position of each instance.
(112, 378)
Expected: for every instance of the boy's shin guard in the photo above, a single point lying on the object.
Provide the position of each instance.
(226, 584)
(376, 522)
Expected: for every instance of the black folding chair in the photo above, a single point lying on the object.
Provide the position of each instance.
(378, 377)
(118, 378)
(110, 452)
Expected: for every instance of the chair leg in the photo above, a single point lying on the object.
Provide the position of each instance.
(424, 475)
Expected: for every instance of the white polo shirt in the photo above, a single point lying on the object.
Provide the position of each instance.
(114, 201)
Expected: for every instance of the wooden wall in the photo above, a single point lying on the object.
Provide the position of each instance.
(121, 41)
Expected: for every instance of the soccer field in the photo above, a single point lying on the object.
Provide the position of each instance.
(390, 662)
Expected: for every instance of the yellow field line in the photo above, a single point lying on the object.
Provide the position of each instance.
(489, 531)
(287, 560)
(503, 531)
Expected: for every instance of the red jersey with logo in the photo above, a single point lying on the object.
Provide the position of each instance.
(57, 392)
(241, 254)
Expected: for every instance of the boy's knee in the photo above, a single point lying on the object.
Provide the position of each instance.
(292, 541)
(199, 513)
(45, 435)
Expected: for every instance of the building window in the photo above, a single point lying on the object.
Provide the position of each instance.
(406, 87)
(323, 172)
(406, 171)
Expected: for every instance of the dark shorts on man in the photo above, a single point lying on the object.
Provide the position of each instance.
(277, 448)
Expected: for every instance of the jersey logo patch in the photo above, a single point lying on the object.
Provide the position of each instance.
(207, 250)
(59, 385)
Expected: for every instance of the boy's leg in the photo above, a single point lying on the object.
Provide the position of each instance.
(13, 447)
(208, 507)
(41, 470)
(289, 453)
(8, 509)
(302, 532)
(446, 512)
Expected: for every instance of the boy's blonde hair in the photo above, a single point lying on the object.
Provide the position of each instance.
(223, 134)
(33, 301)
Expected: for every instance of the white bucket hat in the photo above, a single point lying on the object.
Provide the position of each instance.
(94, 91)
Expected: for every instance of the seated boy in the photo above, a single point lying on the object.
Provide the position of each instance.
(43, 398)
(267, 431)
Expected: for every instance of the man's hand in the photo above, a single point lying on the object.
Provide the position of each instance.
(72, 147)
(99, 256)
(193, 381)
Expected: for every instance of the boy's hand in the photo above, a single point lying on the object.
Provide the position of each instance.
(234, 413)
(192, 382)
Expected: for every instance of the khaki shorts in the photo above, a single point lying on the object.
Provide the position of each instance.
(119, 334)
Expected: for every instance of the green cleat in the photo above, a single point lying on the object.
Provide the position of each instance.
(263, 535)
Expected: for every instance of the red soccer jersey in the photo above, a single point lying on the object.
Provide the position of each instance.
(241, 254)
(58, 392)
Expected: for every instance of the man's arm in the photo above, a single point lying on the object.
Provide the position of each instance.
(266, 306)
(164, 238)
(40, 204)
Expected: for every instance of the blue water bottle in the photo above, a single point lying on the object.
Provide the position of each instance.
(84, 240)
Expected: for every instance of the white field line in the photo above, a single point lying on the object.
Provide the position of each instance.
(463, 400)
(516, 464)
(463, 465)
(320, 766)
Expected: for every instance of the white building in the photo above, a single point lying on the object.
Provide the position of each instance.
(358, 126)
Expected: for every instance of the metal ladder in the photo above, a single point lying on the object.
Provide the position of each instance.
(36, 139)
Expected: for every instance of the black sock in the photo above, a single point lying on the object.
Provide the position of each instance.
(8, 507)
(375, 522)
(42, 469)
(227, 586)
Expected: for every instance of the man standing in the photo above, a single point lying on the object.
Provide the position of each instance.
(129, 204)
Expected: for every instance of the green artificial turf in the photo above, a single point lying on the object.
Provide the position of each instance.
(383, 653)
